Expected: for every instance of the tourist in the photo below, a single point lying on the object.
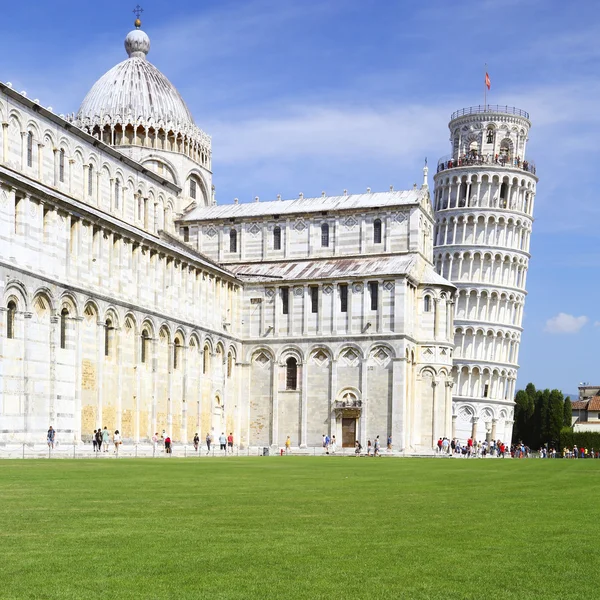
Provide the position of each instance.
(389, 443)
(99, 440)
(168, 445)
(154, 442)
(377, 447)
(357, 448)
(208, 443)
(288, 445)
(50, 437)
(369, 447)
(163, 436)
(445, 445)
(333, 446)
(327, 442)
(196, 442)
(230, 442)
(324, 442)
(439, 446)
(223, 442)
(105, 439)
(94, 442)
(117, 441)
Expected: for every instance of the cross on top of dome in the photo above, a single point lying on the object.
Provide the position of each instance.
(137, 43)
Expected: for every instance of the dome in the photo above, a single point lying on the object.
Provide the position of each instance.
(135, 93)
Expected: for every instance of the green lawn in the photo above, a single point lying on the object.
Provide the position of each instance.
(297, 527)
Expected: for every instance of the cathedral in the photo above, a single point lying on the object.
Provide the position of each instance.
(130, 299)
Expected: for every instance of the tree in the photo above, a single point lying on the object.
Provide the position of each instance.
(523, 412)
(568, 413)
(556, 417)
(540, 418)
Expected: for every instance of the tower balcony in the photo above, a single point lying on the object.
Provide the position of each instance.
(489, 108)
(479, 160)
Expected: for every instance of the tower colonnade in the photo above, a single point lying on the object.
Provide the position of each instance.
(484, 198)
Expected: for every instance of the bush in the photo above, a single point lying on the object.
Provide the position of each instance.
(581, 439)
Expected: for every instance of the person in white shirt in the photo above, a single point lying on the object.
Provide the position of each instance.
(117, 441)
(223, 442)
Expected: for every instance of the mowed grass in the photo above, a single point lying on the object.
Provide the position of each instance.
(300, 527)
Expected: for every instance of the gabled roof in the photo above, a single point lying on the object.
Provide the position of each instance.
(301, 206)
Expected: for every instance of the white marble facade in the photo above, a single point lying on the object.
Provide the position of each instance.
(130, 299)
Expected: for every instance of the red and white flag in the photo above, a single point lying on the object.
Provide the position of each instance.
(487, 81)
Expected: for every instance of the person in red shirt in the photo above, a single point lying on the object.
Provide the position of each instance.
(230, 442)
(168, 445)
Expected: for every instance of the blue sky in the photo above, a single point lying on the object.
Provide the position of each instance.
(345, 94)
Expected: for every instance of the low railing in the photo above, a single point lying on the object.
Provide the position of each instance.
(499, 160)
(489, 108)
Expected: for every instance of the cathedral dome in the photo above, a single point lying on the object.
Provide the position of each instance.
(135, 96)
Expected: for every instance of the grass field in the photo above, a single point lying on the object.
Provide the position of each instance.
(300, 528)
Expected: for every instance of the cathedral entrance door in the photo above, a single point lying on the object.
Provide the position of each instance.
(348, 432)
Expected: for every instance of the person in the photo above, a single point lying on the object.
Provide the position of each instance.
(327, 442)
(389, 443)
(154, 441)
(333, 445)
(50, 437)
(94, 442)
(208, 442)
(357, 448)
(99, 440)
(324, 441)
(439, 446)
(230, 442)
(377, 447)
(117, 441)
(223, 442)
(288, 445)
(369, 447)
(105, 438)
(196, 441)
(167, 445)
(163, 436)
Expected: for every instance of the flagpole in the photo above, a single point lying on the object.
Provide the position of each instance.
(485, 89)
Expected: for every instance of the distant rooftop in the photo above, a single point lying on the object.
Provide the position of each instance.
(306, 205)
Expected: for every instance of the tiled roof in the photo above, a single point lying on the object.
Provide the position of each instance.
(579, 404)
(594, 403)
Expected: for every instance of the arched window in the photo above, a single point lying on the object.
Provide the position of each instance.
(232, 240)
(193, 187)
(291, 374)
(377, 231)
(144, 346)
(277, 238)
(503, 191)
(64, 313)
(229, 364)
(107, 337)
(10, 319)
(205, 359)
(61, 165)
(90, 180)
(325, 235)
(176, 350)
(427, 304)
(117, 193)
(30, 149)
(490, 135)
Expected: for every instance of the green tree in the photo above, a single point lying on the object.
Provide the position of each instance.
(540, 418)
(556, 416)
(567, 413)
(524, 406)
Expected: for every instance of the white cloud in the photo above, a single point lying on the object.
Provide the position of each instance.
(564, 323)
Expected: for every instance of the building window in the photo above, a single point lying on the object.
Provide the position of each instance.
(10, 320)
(344, 297)
(186, 234)
(229, 365)
(176, 350)
(285, 300)
(486, 389)
(90, 180)
(325, 235)
(427, 304)
(503, 192)
(277, 238)
(63, 328)
(490, 136)
(377, 231)
(117, 193)
(61, 165)
(314, 299)
(291, 374)
(205, 360)
(373, 289)
(232, 240)
(107, 337)
(30, 149)
(145, 338)
(193, 189)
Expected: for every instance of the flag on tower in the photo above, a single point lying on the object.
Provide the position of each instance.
(487, 80)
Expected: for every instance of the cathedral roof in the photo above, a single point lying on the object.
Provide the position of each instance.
(307, 205)
(335, 268)
(135, 92)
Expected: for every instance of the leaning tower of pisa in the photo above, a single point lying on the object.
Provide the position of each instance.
(484, 195)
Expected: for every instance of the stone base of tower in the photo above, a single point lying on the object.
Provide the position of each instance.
(482, 419)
